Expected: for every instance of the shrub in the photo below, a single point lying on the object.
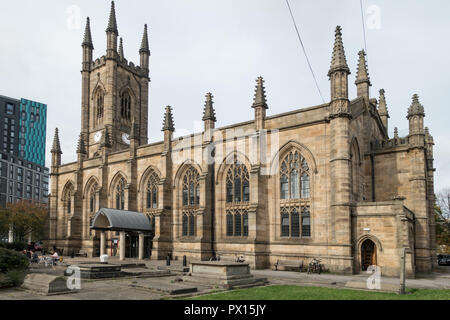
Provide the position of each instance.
(16, 277)
(18, 246)
(11, 260)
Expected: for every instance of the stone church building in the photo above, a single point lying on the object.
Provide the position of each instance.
(322, 182)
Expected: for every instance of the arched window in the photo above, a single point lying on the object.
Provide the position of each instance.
(354, 163)
(68, 198)
(92, 202)
(120, 194)
(294, 196)
(99, 106)
(69, 202)
(190, 201)
(125, 106)
(237, 187)
(152, 191)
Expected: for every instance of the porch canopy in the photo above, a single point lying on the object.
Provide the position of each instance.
(120, 220)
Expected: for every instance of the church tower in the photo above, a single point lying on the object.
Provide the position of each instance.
(114, 92)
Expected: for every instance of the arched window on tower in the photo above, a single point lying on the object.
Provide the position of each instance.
(125, 106)
(294, 196)
(99, 106)
(237, 185)
(190, 201)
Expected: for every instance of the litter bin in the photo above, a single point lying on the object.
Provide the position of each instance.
(104, 258)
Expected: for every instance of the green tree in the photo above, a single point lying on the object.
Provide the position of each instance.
(26, 218)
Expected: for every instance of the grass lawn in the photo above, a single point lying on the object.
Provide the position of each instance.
(291, 292)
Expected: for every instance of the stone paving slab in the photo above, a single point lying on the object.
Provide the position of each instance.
(169, 287)
(433, 281)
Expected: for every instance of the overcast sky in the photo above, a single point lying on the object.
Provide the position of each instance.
(222, 46)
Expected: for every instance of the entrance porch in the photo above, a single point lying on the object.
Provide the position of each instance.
(134, 230)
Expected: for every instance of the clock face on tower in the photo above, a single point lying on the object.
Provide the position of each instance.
(126, 138)
(97, 136)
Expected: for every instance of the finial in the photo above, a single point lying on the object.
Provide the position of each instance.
(416, 107)
(81, 148)
(260, 94)
(382, 106)
(144, 43)
(208, 111)
(87, 40)
(338, 60)
(362, 74)
(121, 55)
(112, 23)
(168, 120)
(56, 148)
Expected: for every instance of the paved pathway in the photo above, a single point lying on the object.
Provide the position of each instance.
(157, 288)
(433, 281)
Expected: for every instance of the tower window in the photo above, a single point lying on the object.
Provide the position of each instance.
(125, 103)
(99, 108)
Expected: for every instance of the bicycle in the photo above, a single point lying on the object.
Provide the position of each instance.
(314, 266)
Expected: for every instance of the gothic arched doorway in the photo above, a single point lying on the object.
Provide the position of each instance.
(368, 254)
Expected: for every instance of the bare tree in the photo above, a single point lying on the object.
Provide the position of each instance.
(442, 211)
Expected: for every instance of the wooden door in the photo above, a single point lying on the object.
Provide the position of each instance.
(368, 254)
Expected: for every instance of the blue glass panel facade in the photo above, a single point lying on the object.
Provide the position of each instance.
(32, 131)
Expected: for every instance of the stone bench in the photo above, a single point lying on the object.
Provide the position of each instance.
(288, 265)
(81, 253)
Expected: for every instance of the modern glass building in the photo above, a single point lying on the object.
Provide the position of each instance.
(23, 175)
(33, 125)
(24, 128)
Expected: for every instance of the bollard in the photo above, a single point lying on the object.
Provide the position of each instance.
(402, 270)
(184, 261)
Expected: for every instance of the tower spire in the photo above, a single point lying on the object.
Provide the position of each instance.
(111, 34)
(144, 42)
(87, 40)
(56, 148)
(144, 51)
(56, 151)
(362, 76)
(168, 120)
(338, 60)
(112, 22)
